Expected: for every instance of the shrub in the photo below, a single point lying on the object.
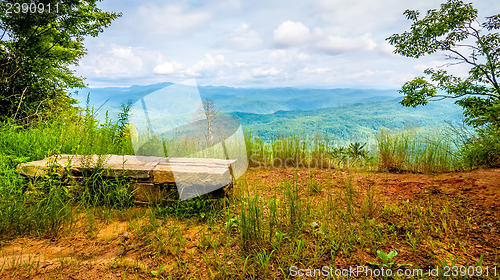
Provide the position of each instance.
(482, 150)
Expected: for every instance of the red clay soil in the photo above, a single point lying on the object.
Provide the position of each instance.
(480, 190)
(481, 186)
(101, 257)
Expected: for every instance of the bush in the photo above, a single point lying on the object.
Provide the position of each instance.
(483, 150)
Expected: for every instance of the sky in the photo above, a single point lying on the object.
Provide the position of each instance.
(259, 43)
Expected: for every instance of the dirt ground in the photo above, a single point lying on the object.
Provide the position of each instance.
(105, 254)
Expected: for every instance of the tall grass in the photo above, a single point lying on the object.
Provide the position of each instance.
(266, 223)
(412, 150)
(43, 205)
(29, 207)
(298, 151)
(64, 135)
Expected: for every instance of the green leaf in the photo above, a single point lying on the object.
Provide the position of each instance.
(382, 256)
(392, 254)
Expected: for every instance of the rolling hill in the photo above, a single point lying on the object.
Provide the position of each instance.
(353, 122)
(346, 114)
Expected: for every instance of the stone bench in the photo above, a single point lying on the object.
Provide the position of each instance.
(152, 179)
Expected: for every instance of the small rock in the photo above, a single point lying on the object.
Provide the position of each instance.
(126, 236)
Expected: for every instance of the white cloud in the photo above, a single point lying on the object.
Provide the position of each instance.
(336, 44)
(167, 68)
(460, 70)
(118, 62)
(291, 33)
(288, 56)
(371, 73)
(303, 56)
(264, 72)
(384, 78)
(207, 66)
(242, 37)
(319, 70)
(278, 53)
(431, 64)
(356, 17)
(170, 19)
(387, 49)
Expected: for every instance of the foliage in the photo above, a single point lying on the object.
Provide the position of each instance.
(454, 29)
(386, 258)
(198, 207)
(350, 123)
(483, 150)
(37, 50)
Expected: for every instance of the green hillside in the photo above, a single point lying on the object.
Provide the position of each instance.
(355, 122)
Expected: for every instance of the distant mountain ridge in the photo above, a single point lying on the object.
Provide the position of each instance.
(346, 114)
(246, 100)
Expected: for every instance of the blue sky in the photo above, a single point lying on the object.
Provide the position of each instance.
(260, 43)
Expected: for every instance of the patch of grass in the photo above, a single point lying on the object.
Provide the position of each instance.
(410, 150)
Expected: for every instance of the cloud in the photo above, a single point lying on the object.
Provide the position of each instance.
(336, 44)
(170, 19)
(319, 70)
(431, 64)
(295, 34)
(303, 56)
(387, 49)
(371, 73)
(118, 62)
(265, 72)
(291, 33)
(208, 66)
(355, 17)
(242, 37)
(460, 70)
(321, 42)
(167, 68)
(287, 56)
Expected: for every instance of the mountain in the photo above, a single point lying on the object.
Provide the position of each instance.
(353, 122)
(247, 100)
(346, 114)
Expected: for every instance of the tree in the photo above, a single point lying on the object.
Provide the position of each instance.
(210, 125)
(39, 41)
(455, 30)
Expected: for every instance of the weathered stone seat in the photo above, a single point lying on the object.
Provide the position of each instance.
(152, 179)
